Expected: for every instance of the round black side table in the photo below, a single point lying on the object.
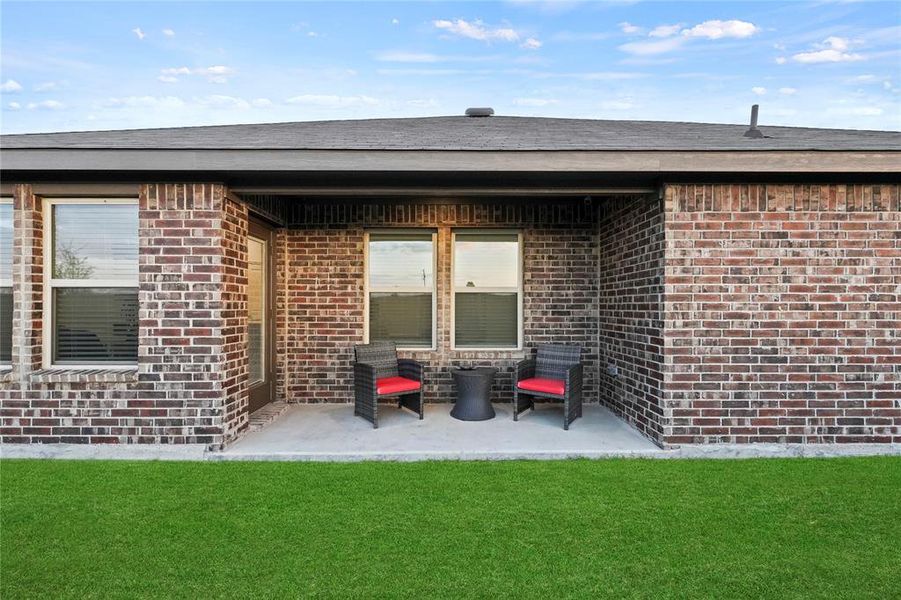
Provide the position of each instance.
(473, 393)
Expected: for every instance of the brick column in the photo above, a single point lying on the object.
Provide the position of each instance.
(28, 277)
(193, 298)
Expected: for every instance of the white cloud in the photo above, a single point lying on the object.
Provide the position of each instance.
(477, 30)
(46, 105)
(10, 86)
(14, 106)
(531, 44)
(533, 101)
(832, 49)
(716, 29)
(168, 32)
(176, 71)
(650, 47)
(665, 30)
(760, 91)
(332, 101)
(788, 91)
(139, 33)
(835, 43)
(214, 74)
(781, 60)
(665, 38)
(46, 86)
(629, 28)
(261, 102)
(395, 22)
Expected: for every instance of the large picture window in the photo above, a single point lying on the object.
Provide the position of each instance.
(6, 281)
(91, 282)
(487, 280)
(401, 288)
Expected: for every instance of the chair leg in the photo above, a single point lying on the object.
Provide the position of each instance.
(369, 411)
(421, 407)
(515, 404)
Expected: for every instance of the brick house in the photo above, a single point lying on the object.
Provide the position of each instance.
(156, 286)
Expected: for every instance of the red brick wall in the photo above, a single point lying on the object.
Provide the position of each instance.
(630, 321)
(188, 379)
(320, 290)
(783, 313)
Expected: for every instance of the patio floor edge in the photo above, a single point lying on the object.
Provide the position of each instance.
(197, 452)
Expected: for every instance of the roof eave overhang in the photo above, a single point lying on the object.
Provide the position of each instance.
(24, 161)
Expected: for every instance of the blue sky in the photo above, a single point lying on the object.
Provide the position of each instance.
(76, 66)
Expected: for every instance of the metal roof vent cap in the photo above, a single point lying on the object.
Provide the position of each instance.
(752, 131)
(486, 111)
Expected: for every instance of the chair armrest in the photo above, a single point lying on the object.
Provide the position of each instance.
(574, 379)
(410, 369)
(364, 376)
(525, 369)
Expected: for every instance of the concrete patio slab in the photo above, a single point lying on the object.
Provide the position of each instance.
(331, 432)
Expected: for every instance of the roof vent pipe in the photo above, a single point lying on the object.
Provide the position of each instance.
(752, 131)
(479, 112)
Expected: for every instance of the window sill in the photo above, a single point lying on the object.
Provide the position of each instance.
(488, 353)
(98, 375)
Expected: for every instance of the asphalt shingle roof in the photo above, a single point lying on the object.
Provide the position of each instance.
(466, 133)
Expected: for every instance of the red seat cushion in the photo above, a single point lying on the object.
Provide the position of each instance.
(393, 385)
(543, 385)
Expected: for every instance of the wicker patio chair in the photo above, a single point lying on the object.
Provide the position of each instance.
(379, 374)
(556, 373)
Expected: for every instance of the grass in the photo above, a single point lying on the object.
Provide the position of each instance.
(617, 528)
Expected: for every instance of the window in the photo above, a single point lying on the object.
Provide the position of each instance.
(401, 288)
(256, 309)
(91, 282)
(487, 282)
(6, 281)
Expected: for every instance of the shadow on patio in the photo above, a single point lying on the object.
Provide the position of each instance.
(332, 432)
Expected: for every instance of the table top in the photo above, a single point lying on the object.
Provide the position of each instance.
(476, 372)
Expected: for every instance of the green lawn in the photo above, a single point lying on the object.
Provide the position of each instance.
(828, 528)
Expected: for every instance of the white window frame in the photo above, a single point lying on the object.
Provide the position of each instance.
(367, 288)
(7, 282)
(503, 289)
(50, 283)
